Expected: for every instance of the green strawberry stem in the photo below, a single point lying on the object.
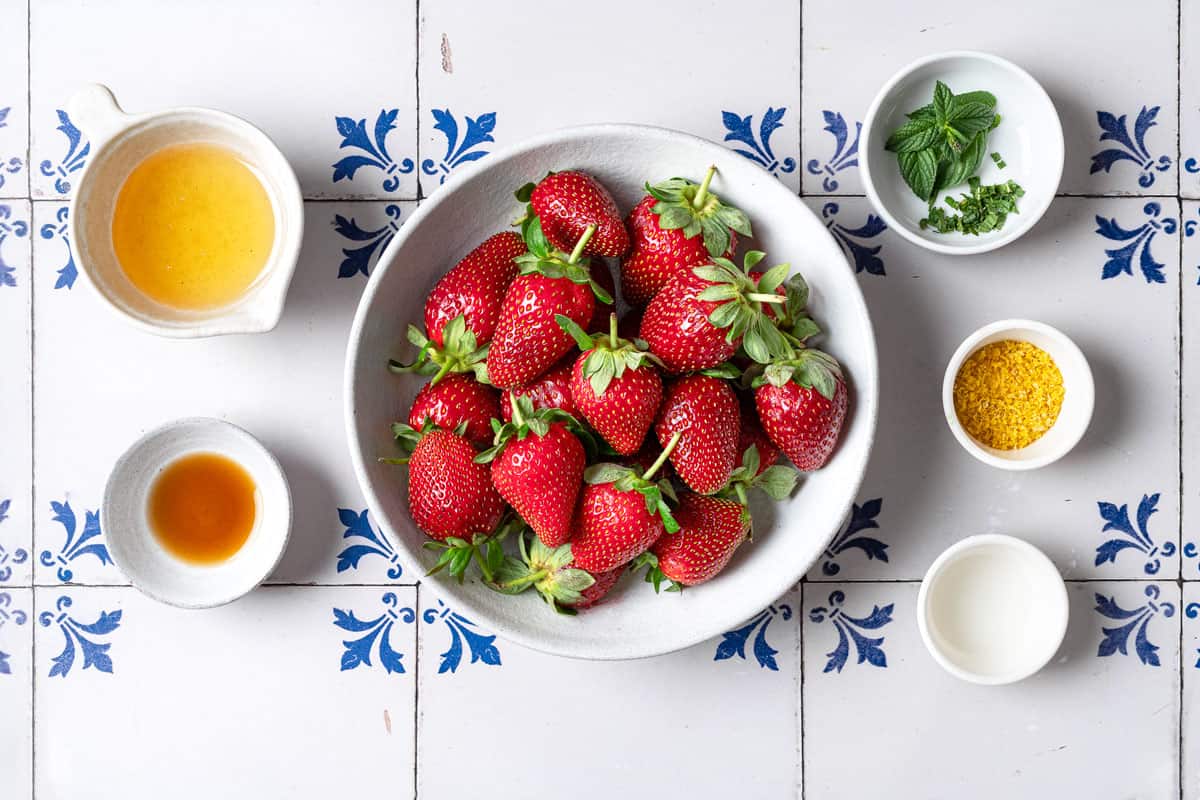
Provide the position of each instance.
(483, 565)
(441, 373)
(612, 330)
(582, 243)
(766, 298)
(663, 456)
(525, 580)
(517, 416)
(702, 192)
(740, 489)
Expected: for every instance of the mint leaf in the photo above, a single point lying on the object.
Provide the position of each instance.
(919, 171)
(912, 135)
(966, 164)
(987, 98)
(979, 119)
(943, 100)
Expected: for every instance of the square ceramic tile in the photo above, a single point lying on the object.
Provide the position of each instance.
(1110, 696)
(491, 77)
(1191, 389)
(16, 491)
(14, 98)
(16, 693)
(97, 393)
(1190, 666)
(1092, 268)
(1114, 84)
(718, 719)
(291, 691)
(333, 83)
(1189, 100)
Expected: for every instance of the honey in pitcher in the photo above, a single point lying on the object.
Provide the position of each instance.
(193, 226)
(202, 508)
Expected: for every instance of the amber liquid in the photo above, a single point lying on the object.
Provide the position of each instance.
(202, 508)
(193, 226)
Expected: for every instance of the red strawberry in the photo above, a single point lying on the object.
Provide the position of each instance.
(752, 435)
(642, 459)
(701, 316)
(802, 404)
(537, 466)
(676, 226)
(710, 530)
(615, 386)
(604, 583)
(462, 310)
(458, 399)
(550, 571)
(551, 390)
(449, 495)
(567, 203)
(528, 341)
(702, 412)
(602, 277)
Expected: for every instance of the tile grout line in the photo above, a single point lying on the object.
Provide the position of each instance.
(1179, 431)
(33, 592)
(417, 83)
(416, 690)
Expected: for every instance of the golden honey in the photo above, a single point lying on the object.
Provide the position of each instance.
(202, 508)
(193, 226)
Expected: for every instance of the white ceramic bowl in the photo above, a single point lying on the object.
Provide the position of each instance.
(119, 142)
(1029, 138)
(1079, 394)
(992, 609)
(477, 202)
(138, 554)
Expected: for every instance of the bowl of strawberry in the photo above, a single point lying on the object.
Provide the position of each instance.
(616, 427)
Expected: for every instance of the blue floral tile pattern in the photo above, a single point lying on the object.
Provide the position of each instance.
(459, 151)
(12, 165)
(75, 548)
(9, 227)
(8, 615)
(733, 643)
(9, 559)
(67, 273)
(1129, 148)
(1120, 259)
(72, 160)
(845, 151)
(757, 146)
(1116, 639)
(371, 150)
(368, 543)
(1116, 518)
(865, 257)
(369, 243)
(852, 630)
(83, 635)
(1193, 611)
(482, 647)
(376, 636)
(862, 518)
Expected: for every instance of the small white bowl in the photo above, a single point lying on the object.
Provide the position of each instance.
(136, 551)
(992, 609)
(119, 142)
(1079, 394)
(1029, 138)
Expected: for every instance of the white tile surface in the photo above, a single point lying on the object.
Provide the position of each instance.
(921, 729)
(1087, 60)
(1191, 390)
(16, 692)
(1190, 666)
(933, 492)
(284, 387)
(268, 62)
(14, 99)
(705, 722)
(665, 69)
(16, 490)
(253, 698)
(1189, 98)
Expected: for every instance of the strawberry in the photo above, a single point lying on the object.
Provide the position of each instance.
(551, 572)
(677, 225)
(752, 435)
(537, 466)
(567, 203)
(602, 276)
(449, 495)
(702, 315)
(710, 530)
(458, 399)
(615, 386)
(802, 404)
(528, 341)
(702, 412)
(604, 583)
(551, 390)
(621, 513)
(472, 293)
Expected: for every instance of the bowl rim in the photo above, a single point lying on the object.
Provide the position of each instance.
(1028, 217)
(866, 391)
(968, 346)
(228, 430)
(976, 542)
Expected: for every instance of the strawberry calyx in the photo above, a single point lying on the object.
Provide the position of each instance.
(694, 209)
(544, 259)
(628, 479)
(525, 421)
(484, 548)
(809, 368)
(548, 570)
(740, 312)
(607, 354)
(459, 352)
(777, 481)
(654, 574)
(407, 436)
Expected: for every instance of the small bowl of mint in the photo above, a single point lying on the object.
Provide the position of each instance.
(963, 152)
